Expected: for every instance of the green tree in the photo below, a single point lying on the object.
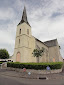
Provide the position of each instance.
(37, 53)
(4, 54)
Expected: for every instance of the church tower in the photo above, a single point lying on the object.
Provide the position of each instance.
(22, 51)
(25, 43)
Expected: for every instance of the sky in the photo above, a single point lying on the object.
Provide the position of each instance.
(46, 18)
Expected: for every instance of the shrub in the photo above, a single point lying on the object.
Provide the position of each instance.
(0, 62)
(37, 66)
(4, 54)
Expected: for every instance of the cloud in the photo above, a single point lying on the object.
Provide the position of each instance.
(6, 14)
(7, 36)
(48, 21)
(6, 41)
(46, 18)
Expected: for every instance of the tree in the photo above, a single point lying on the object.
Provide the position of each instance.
(4, 54)
(38, 52)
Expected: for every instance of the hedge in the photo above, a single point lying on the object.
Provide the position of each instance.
(0, 62)
(37, 66)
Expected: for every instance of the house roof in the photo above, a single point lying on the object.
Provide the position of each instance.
(40, 41)
(51, 43)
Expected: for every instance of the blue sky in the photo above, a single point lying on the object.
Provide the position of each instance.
(46, 18)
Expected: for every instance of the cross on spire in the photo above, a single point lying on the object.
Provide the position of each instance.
(24, 17)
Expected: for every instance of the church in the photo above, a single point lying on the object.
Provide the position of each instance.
(25, 43)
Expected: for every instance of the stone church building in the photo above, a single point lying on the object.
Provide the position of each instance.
(25, 43)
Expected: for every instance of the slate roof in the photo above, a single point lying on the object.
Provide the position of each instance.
(24, 17)
(40, 41)
(51, 43)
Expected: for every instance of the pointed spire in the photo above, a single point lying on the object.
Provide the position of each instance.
(24, 17)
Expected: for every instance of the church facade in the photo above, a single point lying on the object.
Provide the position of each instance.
(25, 43)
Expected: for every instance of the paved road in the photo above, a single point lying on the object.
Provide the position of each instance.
(10, 80)
(6, 80)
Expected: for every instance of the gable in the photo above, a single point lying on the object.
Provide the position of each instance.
(51, 43)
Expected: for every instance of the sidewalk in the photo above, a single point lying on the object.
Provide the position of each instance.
(31, 76)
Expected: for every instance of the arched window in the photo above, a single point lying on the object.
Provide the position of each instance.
(20, 31)
(18, 57)
(53, 59)
(28, 31)
(19, 41)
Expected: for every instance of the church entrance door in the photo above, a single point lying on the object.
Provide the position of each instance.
(18, 57)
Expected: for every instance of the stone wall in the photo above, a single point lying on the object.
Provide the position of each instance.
(35, 71)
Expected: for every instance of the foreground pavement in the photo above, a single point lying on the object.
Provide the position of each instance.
(32, 75)
(17, 78)
(7, 80)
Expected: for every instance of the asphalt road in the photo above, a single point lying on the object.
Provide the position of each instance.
(6, 80)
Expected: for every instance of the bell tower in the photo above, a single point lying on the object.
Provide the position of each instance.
(22, 51)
